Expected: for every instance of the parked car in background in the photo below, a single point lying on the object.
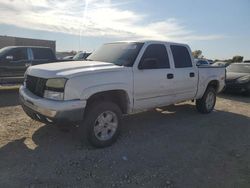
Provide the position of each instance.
(118, 79)
(221, 64)
(202, 62)
(246, 61)
(210, 61)
(15, 60)
(238, 78)
(81, 56)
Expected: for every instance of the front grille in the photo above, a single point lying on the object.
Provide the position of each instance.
(36, 85)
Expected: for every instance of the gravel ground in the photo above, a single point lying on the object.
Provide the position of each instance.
(170, 147)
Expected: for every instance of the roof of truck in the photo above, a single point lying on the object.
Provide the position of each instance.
(150, 41)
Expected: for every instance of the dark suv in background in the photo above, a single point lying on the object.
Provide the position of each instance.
(15, 60)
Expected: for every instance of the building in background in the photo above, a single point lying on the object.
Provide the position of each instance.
(17, 41)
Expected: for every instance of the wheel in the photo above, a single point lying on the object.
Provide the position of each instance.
(102, 123)
(207, 102)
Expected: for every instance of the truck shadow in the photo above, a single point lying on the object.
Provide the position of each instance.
(9, 98)
(236, 97)
(176, 138)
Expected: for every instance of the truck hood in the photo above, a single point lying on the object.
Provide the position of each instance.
(234, 75)
(70, 69)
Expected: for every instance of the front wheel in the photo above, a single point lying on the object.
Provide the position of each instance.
(102, 123)
(207, 102)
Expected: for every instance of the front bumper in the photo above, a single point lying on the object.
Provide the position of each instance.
(51, 111)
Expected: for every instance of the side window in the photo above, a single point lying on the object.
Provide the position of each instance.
(181, 56)
(40, 53)
(19, 54)
(155, 57)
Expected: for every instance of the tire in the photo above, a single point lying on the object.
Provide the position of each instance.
(206, 104)
(102, 124)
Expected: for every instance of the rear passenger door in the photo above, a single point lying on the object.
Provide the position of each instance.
(185, 74)
(153, 78)
(42, 55)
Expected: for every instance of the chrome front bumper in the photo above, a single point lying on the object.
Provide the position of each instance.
(46, 110)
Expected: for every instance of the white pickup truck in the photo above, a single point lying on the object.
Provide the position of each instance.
(118, 79)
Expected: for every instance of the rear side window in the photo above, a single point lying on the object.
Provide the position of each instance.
(181, 56)
(42, 53)
(18, 54)
(157, 56)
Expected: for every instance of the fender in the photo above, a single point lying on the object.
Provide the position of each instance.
(88, 92)
(202, 86)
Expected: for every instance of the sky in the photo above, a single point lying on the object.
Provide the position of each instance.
(220, 28)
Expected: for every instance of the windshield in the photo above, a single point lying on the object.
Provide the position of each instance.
(240, 68)
(4, 50)
(122, 54)
(79, 55)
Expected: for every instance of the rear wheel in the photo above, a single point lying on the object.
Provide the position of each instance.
(207, 102)
(102, 123)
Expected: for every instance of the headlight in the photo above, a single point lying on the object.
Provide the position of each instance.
(55, 89)
(243, 79)
(56, 83)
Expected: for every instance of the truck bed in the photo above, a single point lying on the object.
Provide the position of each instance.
(208, 73)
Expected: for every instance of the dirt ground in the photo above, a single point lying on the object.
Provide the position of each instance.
(172, 147)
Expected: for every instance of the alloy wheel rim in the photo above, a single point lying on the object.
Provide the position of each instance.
(210, 100)
(106, 125)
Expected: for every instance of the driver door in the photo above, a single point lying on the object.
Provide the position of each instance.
(153, 78)
(15, 63)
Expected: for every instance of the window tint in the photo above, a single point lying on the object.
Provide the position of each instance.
(42, 53)
(155, 57)
(18, 54)
(181, 56)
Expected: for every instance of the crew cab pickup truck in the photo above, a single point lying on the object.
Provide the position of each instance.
(118, 79)
(14, 60)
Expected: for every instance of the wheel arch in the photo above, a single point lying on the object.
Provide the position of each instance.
(214, 84)
(118, 96)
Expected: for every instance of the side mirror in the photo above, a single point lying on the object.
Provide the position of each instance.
(198, 63)
(148, 63)
(9, 57)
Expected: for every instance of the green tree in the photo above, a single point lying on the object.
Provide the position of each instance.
(197, 54)
(237, 58)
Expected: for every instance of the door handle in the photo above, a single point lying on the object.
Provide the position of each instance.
(170, 76)
(191, 74)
